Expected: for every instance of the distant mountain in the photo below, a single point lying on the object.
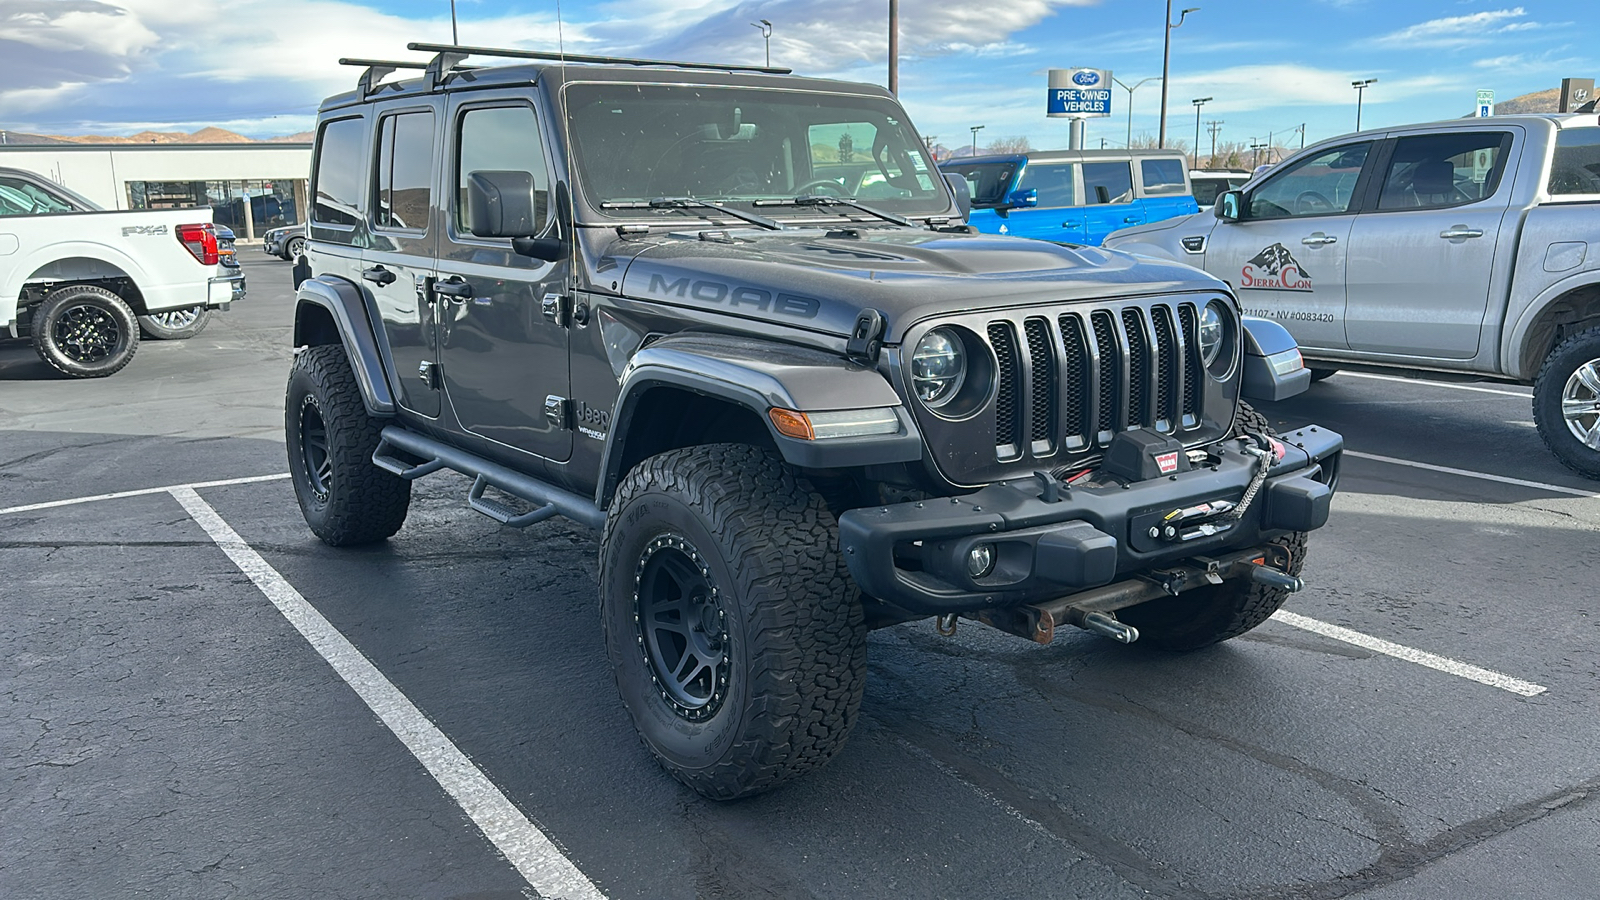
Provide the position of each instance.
(210, 135)
(1537, 102)
(304, 137)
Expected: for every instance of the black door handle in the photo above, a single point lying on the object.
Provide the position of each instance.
(378, 275)
(454, 287)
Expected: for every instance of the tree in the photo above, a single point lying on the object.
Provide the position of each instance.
(1017, 144)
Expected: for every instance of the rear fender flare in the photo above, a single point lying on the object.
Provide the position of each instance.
(326, 299)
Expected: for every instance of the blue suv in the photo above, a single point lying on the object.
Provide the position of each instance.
(1075, 196)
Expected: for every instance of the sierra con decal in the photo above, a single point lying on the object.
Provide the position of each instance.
(1274, 269)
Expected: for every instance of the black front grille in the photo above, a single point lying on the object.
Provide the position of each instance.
(1087, 375)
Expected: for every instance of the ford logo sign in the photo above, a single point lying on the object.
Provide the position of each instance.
(1087, 79)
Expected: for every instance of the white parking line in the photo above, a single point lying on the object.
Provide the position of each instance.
(1442, 384)
(1468, 473)
(544, 866)
(1409, 654)
(141, 492)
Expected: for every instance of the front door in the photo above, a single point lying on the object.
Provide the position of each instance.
(1059, 213)
(1420, 263)
(502, 357)
(1286, 257)
(398, 259)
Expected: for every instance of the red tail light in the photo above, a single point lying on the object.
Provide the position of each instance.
(200, 241)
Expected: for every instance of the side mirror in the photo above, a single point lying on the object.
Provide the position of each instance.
(504, 204)
(1022, 199)
(548, 249)
(1229, 206)
(963, 194)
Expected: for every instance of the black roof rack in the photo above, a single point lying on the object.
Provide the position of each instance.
(455, 50)
(377, 68)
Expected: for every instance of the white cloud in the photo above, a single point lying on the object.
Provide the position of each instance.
(1458, 31)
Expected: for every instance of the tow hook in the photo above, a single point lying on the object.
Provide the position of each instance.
(1103, 624)
(1273, 578)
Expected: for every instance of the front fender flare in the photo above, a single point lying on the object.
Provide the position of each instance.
(759, 375)
(1272, 367)
(344, 304)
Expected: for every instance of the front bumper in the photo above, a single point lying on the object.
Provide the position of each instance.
(913, 555)
(273, 245)
(224, 289)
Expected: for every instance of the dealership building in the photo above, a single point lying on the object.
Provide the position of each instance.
(250, 187)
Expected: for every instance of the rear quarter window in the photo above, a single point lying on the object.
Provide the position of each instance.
(1162, 177)
(1575, 168)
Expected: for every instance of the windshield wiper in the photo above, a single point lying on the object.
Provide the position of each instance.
(823, 200)
(693, 203)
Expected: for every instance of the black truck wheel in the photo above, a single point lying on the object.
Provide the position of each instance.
(734, 631)
(175, 324)
(1320, 373)
(346, 499)
(1208, 615)
(85, 331)
(1566, 402)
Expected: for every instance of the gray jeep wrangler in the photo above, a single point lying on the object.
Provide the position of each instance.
(733, 320)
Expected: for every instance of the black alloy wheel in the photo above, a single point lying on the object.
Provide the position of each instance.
(85, 331)
(86, 334)
(314, 448)
(682, 627)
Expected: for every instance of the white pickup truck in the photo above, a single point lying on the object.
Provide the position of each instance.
(78, 279)
(1469, 247)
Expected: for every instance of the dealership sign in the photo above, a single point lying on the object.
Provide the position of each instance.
(1079, 93)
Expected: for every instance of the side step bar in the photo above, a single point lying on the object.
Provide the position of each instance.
(548, 499)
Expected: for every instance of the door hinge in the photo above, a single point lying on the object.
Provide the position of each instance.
(866, 338)
(557, 308)
(428, 371)
(558, 412)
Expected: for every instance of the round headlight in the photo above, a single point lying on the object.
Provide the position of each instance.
(1212, 332)
(938, 367)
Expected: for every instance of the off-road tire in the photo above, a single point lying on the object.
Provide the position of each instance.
(1578, 350)
(152, 326)
(1208, 615)
(62, 345)
(794, 632)
(1318, 373)
(293, 248)
(347, 500)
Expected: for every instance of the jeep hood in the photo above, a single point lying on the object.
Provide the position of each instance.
(821, 279)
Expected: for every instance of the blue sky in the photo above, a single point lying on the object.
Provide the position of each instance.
(261, 66)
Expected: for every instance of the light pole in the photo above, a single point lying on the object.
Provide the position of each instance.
(1214, 126)
(1130, 90)
(766, 35)
(1198, 102)
(975, 130)
(454, 38)
(1166, 64)
(1361, 90)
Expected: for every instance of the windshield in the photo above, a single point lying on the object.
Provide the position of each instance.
(988, 182)
(633, 143)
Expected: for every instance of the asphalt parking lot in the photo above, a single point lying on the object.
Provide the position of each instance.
(202, 700)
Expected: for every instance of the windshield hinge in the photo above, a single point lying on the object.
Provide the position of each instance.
(866, 338)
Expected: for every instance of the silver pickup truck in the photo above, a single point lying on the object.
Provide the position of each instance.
(1470, 246)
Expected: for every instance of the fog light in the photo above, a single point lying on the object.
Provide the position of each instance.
(980, 560)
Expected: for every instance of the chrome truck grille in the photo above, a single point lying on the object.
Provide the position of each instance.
(1073, 380)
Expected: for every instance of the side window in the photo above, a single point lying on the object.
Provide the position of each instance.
(1576, 167)
(501, 139)
(1055, 183)
(404, 172)
(22, 198)
(1433, 171)
(1321, 185)
(1107, 182)
(1162, 176)
(336, 181)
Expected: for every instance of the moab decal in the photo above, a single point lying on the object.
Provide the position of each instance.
(736, 297)
(1274, 269)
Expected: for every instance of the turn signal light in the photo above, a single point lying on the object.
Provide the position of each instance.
(201, 242)
(841, 423)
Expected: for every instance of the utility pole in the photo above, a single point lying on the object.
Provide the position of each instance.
(1214, 126)
(1361, 90)
(1302, 135)
(1198, 102)
(1255, 153)
(766, 35)
(1166, 65)
(975, 130)
(894, 47)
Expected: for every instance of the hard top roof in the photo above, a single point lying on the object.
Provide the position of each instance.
(1064, 156)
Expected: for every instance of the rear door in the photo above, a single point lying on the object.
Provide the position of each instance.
(1286, 258)
(501, 355)
(397, 264)
(1421, 261)
(1109, 199)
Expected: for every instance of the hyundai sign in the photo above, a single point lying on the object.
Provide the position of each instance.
(1079, 93)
